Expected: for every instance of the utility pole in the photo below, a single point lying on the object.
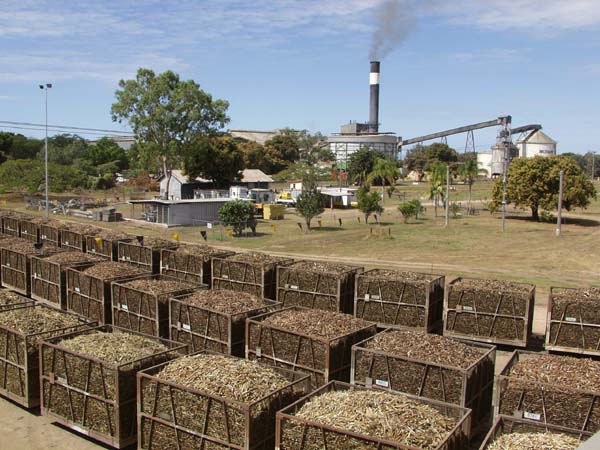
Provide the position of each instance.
(447, 193)
(506, 140)
(560, 199)
(593, 165)
(45, 89)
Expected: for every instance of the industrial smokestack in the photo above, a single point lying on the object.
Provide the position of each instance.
(374, 100)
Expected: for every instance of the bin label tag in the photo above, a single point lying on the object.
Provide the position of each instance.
(532, 416)
(571, 319)
(382, 383)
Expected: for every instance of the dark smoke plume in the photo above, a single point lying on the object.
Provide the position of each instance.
(395, 19)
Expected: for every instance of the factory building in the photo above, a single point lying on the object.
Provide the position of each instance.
(535, 143)
(355, 135)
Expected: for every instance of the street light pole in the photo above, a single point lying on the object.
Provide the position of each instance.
(45, 89)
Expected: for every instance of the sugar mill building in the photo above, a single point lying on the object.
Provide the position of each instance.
(355, 135)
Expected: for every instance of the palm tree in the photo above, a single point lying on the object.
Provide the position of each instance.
(437, 180)
(386, 170)
(469, 172)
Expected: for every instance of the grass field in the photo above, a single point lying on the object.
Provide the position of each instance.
(470, 245)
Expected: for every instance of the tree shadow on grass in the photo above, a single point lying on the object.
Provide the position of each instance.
(317, 228)
(566, 221)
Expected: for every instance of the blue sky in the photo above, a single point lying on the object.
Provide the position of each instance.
(304, 64)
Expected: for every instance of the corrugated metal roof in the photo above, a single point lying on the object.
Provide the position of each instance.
(248, 176)
(255, 176)
(184, 178)
(539, 137)
(253, 135)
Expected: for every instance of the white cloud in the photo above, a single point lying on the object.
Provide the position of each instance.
(486, 56)
(77, 66)
(536, 16)
(109, 39)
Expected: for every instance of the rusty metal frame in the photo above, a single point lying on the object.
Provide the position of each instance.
(267, 286)
(182, 324)
(113, 439)
(75, 278)
(432, 306)
(504, 378)
(30, 230)
(23, 269)
(527, 318)
(322, 369)
(43, 294)
(72, 239)
(149, 376)
(506, 424)
(455, 440)
(160, 320)
(28, 368)
(341, 301)
(50, 234)
(11, 224)
(477, 383)
(108, 249)
(146, 257)
(568, 321)
(185, 273)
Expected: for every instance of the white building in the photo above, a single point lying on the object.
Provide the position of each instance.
(536, 144)
(484, 162)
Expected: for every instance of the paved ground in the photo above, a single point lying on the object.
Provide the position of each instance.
(21, 430)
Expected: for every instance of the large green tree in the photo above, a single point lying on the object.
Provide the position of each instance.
(282, 150)
(168, 112)
(361, 163)
(106, 151)
(313, 147)
(421, 157)
(441, 153)
(27, 175)
(214, 158)
(17, 146)
(253, 155)
(534, 183)
(65, 149)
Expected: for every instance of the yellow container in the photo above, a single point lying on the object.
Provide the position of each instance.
(273, 212)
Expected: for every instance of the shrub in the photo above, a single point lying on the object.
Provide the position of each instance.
(309, 204)
(237, 214)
